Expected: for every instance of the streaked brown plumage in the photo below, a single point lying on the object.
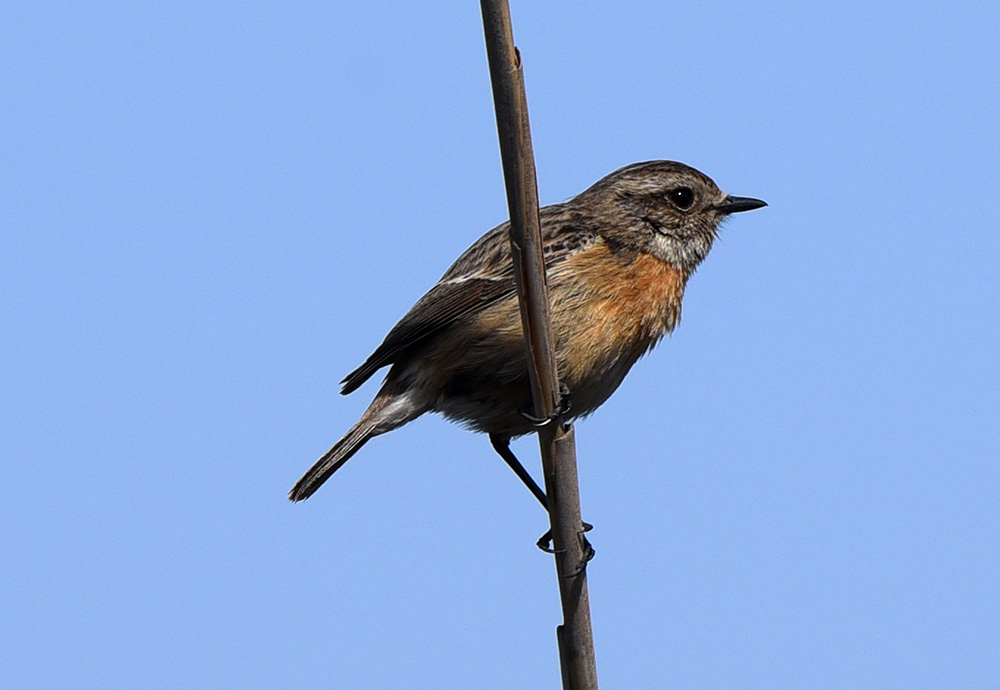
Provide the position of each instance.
(617, 259)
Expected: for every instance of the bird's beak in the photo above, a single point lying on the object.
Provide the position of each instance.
(735, 204)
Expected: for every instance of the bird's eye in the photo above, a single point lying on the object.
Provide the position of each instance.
(682, 198)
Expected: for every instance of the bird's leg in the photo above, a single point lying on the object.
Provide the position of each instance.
(563, 407)
(502, 446)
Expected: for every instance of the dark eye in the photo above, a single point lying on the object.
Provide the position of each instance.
(682, 198)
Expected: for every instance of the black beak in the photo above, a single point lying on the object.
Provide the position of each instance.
(735, 204)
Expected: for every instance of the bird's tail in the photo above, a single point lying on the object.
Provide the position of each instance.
(394, 406)
(332, 460)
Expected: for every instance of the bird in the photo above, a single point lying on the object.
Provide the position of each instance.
(617, 259)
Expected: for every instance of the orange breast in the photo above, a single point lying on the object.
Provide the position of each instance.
(608, 313)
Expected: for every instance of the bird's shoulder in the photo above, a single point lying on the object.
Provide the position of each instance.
(565, 230)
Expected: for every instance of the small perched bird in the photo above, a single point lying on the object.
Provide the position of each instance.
(617, 259)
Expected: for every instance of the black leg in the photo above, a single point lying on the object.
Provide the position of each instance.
(502, 446)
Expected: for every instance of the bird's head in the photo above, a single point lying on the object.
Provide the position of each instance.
(663, 208)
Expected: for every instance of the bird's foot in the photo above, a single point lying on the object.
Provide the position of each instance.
(545, 544)
(563, 407)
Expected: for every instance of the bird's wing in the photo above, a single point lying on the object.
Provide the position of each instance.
(478, 278)
(442, 305)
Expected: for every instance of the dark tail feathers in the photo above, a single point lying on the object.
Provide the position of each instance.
(332, 460)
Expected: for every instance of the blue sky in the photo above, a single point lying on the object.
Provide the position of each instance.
(211, 213)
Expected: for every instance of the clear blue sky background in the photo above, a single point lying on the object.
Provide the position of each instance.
(211, 213)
